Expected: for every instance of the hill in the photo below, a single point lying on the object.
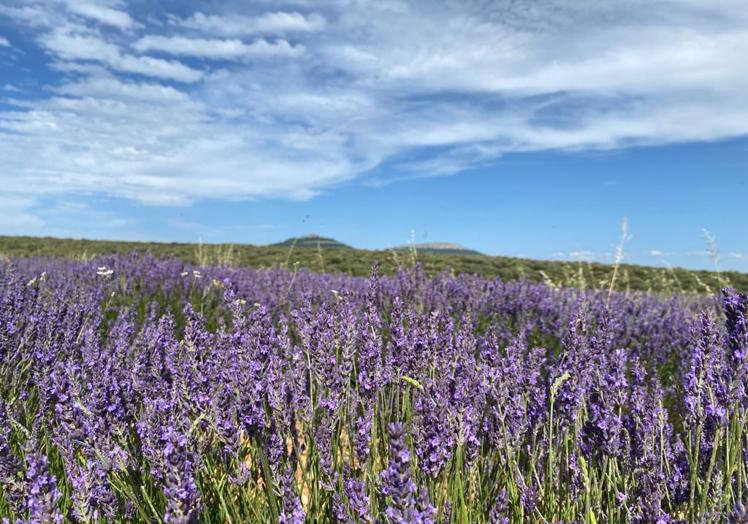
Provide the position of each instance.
(358, 262)
(445, 248)
(315, 241)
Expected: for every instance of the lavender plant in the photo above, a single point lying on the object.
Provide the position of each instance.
(134, 389)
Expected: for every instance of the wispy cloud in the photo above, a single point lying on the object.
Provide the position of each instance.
(35, 16)
(230, 100)
(105, 87)
(584, 255)
(69, 44)
(266, 23)
(217, 48)
(17, 214)
(4, 42)
(101, 13)
(581, 255)
(698, 253)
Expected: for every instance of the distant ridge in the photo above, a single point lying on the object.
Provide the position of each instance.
(359, 262)
(447, 248)
(312, 241)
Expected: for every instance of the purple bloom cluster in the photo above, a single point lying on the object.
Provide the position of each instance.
(157, 391)
(405, 503)
(43, 493)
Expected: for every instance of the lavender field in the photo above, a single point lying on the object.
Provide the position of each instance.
(134, 389)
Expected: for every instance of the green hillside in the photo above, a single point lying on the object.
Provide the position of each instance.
(315, 241)
(442, 248)
(359, 262)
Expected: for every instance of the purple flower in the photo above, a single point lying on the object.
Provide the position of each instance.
(11, 467)
(92, 499)
(705, 386)
(738, 515)
(43, 494)
(736, 322)
(404, 502)
(358, 509)
(180, 488)
(434, 432)
(499, 513)
(293, 512)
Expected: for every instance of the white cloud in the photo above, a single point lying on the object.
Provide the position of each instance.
(70, 45)
(17, 215)
(73, 46)
(102, 14)
(157, 152)
(583, 256)
(4, 42)
(403, 88)
(217, 48)
(30, 15)
(267, 23)
(61, 218)
(111, 88)
(168, 69)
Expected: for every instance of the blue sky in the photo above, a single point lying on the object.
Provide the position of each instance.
(515, 128)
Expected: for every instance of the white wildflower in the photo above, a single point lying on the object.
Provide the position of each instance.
(104, 271)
